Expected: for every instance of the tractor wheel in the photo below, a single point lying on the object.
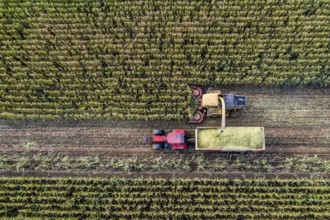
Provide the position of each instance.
(158, 132)
(157, 146)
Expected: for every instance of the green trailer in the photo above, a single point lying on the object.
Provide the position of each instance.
(230, 139)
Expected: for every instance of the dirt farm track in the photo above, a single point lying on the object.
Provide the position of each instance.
(296, 121)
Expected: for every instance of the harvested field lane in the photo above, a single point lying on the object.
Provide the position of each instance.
(295, 120)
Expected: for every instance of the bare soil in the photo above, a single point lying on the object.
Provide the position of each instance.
(296, 121)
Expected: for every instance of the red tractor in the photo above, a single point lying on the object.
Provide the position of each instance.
(177, 139)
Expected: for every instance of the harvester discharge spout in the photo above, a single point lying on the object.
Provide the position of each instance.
(223, 122)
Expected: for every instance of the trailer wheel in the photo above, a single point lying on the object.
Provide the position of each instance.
(158, 132)
(157, 146)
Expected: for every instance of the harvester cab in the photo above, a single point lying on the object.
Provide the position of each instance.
(210, 104)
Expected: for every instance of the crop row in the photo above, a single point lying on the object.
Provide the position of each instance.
(163, 163)
(161, 198)
(108, 195)
(120, 199)
(129, 49)
(209, 191)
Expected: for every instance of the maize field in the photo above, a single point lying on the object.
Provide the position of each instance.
(78, 59)
(31, 198)
(127, 66)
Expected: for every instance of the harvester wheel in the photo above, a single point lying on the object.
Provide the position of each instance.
(236, 113)
(157, 146)
(197, 92)
(158, 132)
(198, 116)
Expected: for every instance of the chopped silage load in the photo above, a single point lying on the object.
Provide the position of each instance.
(232, 138)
